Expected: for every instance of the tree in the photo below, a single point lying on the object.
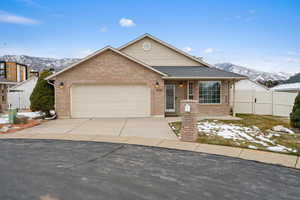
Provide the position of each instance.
(295, 114)
(42, 96)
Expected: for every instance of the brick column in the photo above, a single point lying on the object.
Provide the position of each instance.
(189, 132)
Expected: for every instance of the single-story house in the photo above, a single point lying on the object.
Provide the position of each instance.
(18, 96)
(250, 85)
(145, 77)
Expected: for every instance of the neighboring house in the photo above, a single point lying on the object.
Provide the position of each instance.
(145, 77)
(18, 96)
(291, 85)
(11, 73)
(245, 90)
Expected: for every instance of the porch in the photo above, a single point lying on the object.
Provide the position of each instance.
(212, 96)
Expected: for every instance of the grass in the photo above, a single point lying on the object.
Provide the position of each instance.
(263, 122)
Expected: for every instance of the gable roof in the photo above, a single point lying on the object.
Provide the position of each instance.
(166, 45)
(196, 72)
(23, 82)
(101, 51)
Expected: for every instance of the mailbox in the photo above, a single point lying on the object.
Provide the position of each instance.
(187, 108)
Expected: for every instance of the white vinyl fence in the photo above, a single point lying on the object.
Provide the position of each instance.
(264, 102)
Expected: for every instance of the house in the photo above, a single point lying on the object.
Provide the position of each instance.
(245, 91)
(11, 73)
(250, 85)
(18, 96)
(145, 77)
(291, 85)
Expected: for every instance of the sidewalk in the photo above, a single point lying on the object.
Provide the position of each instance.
(261, 156)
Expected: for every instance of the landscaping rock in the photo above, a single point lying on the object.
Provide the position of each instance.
(21, 119)
(4, 129)
(280, 128)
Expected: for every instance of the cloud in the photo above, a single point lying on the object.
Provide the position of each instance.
(293, 53)
(187, 49)
(292, 60)
(124, 22)
(103, 29)
(6, 17)
(209, 50)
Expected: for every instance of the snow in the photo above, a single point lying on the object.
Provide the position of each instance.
(241, 134)
(280, 128)
(289, 86)
(3, 120)
(31, 115)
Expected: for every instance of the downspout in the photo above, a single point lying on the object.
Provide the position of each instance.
(50, 83)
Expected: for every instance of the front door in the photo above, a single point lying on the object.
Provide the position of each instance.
(170, 97)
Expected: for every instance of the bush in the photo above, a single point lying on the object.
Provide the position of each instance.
(42, 96)
(295, 114)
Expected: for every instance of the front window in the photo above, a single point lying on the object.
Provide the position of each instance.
(190, 91)
(2, 70)
(209, 92)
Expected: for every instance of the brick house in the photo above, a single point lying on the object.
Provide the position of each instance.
(145, 77)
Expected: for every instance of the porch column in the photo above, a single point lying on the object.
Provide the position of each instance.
(233, 99)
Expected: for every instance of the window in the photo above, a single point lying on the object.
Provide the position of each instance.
(2, 70)
(190, 91)
(209, 92)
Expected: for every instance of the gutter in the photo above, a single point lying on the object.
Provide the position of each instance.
(48, 81)
(204, 78)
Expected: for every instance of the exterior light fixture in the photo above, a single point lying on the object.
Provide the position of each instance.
(157, 84)
(181, 84)
(61, 85)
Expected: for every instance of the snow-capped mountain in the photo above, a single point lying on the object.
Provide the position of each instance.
(252, 73)
(40, 63)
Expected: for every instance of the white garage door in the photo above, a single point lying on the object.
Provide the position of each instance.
(110, 101)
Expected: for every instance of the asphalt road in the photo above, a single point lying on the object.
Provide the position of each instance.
(66, 170)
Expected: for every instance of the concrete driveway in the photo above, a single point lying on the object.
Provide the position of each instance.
(141, 127)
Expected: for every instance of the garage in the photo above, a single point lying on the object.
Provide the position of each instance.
(109, 101)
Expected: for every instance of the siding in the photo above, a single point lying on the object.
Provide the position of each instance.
(158, 55)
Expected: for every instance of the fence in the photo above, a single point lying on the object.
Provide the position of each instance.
(264, 102)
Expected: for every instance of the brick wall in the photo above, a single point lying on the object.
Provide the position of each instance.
(108, 68)
(205, 109)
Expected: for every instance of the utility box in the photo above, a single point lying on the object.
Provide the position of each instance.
(12, 115)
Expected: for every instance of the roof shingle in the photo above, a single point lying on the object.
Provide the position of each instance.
(196, 71)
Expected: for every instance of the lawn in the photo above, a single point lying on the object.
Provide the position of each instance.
(253, 131)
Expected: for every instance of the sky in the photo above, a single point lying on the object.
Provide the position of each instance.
(260, 34)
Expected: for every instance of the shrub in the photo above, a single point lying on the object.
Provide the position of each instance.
(295, 114)
(42, 96)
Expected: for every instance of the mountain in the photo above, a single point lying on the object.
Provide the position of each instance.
(293, 79)
(40, 63)
(254, 75)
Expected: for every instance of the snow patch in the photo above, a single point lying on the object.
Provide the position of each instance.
(240, 134)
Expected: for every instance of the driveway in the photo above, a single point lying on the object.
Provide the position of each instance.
(141, 127)
(68, 170)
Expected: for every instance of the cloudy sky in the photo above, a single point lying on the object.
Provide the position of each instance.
(261, 34)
